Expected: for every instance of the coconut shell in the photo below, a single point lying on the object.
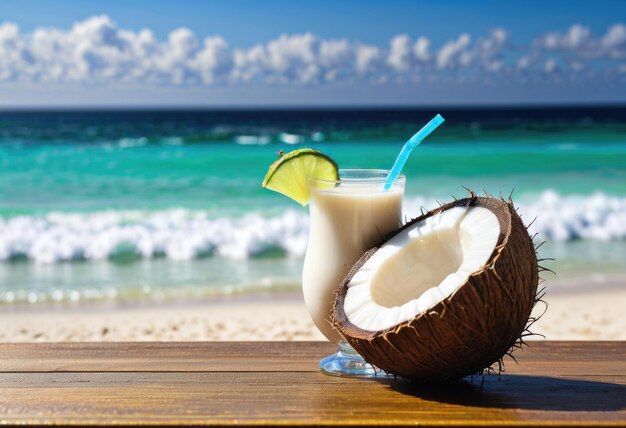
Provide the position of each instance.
(470, 330)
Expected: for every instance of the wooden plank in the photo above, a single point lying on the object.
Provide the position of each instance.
(556, 383)
(163, 356)
(566, 358)
(304, 399)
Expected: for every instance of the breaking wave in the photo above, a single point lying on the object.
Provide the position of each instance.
(181, 234)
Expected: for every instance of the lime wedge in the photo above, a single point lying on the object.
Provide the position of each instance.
(289, 174)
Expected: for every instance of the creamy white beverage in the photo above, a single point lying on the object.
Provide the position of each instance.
(348, 217)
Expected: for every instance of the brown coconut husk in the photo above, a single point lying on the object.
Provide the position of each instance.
(469, 332)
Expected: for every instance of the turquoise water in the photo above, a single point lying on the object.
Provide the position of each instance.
(145, 205)
(224, 178)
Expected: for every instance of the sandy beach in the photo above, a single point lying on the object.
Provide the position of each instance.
(580, 315)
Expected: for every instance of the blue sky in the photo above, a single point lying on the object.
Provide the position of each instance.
(323, 52)
(248, 22)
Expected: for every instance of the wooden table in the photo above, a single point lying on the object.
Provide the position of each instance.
(555, 383)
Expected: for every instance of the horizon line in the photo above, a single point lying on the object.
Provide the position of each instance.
(300, 107)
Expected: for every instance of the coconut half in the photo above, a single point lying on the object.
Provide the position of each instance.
(446, 295)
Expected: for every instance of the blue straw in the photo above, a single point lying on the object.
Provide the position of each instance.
(413, 142)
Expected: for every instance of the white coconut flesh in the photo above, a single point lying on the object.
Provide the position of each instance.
(421, 266)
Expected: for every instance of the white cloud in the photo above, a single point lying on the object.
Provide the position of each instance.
(213, 62)
(299, 58)
(454, 53)
(405, 55)
(400, 52)
(421, 49)
(577, 37)
(368, 59)
(97, 51)
(490, 51)
(614, 41)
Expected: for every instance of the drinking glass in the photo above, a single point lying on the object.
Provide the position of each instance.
(347, 217)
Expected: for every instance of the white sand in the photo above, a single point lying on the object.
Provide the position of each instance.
(597, 315)
(281, 319)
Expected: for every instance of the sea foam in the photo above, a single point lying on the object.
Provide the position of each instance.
(181, 234)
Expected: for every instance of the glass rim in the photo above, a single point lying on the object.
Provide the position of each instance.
(378, 176)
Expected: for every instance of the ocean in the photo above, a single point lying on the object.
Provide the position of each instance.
(155, 205)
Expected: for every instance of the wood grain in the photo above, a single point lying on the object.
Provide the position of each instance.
(163, 356)
(555, 384)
